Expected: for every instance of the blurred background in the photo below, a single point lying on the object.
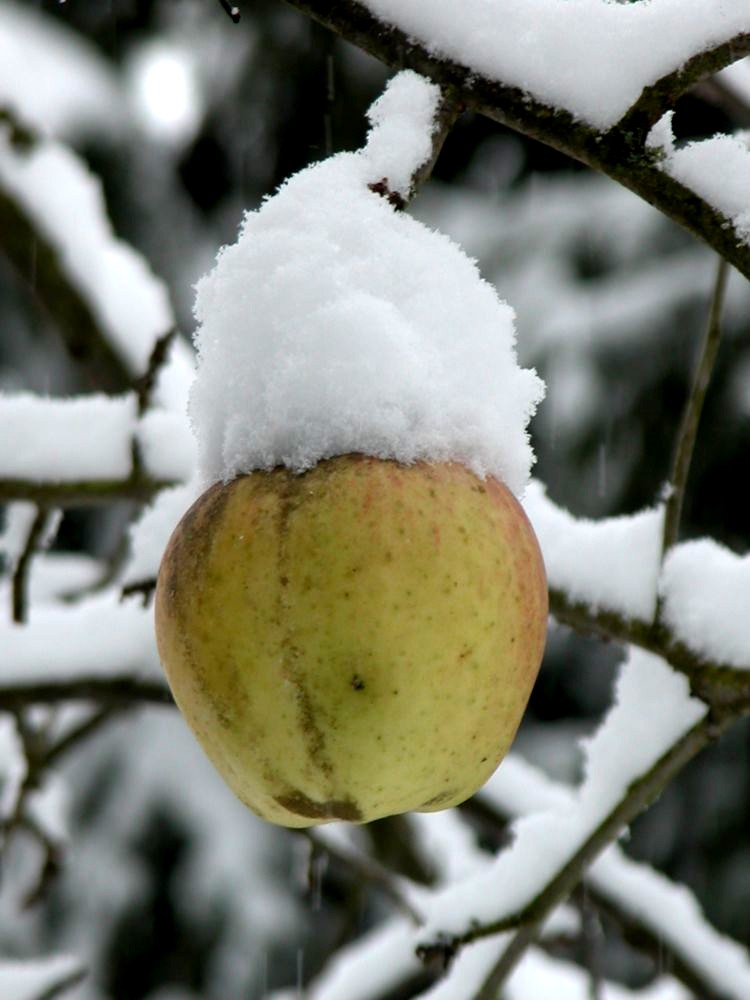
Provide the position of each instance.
(169, 888)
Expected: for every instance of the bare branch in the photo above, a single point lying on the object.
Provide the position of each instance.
(19, 587)
(63, 985)
(232, 11)
(724, 687)
(120, 690)
(618, 153)
(367, 869)
(688, 432)
(144, 386)
(88, 493)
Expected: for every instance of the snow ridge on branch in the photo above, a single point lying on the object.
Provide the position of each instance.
(464, 59)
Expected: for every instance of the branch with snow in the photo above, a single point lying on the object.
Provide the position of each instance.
(660, 915)
(79, 450)
(101, 295)
(588, 80)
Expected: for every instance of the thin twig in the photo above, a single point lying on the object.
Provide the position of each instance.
(446, 113)
(62, 985)
(232, 11)
(82, 731)
(688, 432)
(83, 493)
(144, 386)
(122, 690)
(369, 870)
(19, 587)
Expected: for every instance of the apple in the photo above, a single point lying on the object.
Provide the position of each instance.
(354, 641)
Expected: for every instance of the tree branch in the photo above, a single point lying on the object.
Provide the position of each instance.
(638, 934)
(122, 690)
(84, 493)
(688, 432)
(662, 95)
(45, 274)
(19, 585)
(527, 921)
(368, 870)
(618, 153)
(722, 686)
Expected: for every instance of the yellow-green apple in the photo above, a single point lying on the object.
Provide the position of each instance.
(354, 641)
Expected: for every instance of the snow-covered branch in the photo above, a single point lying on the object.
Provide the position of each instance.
(587, 81)
(553, 849)
(652, 911)
(80, 450)
(101, 295)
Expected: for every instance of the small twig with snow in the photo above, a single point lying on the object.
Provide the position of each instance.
(688, 431)
(444, 115)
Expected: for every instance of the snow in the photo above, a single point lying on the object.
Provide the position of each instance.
(97, 637)
(545, 841)
(79, 438)
(43, 437)
(314, 341)
(540, 975)
(737, 78)
(400, 138)
(705, 589)
(167, 447)
(591, 57)
(716, 169)
(368, 968)
(610, 564)
(52, 78)
(32, 978)
(65, 201)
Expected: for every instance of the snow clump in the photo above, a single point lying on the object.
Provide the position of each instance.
(337, 324)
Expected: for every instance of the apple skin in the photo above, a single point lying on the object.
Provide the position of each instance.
(355, 641)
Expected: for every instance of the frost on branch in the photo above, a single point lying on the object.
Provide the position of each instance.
(336, 324)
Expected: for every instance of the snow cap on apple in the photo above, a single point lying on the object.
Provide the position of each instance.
(337, 324)
(352, 615)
